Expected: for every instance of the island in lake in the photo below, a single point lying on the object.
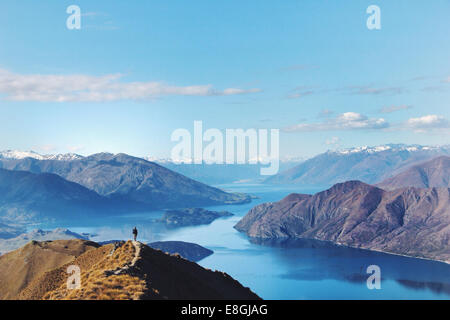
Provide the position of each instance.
(191, 217)
(190, 251)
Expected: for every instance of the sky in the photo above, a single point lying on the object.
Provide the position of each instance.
(136, 71)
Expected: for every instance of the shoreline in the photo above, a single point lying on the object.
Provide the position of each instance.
(353, 247)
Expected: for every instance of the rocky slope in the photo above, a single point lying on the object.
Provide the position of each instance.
(409, 221)
(191, 217)
(126, 178)
(368, 164)
(130, 270)
(431, 174)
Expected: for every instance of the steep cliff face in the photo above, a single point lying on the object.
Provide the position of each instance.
(408, 221)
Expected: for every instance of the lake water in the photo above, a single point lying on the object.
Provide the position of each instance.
(286, 269)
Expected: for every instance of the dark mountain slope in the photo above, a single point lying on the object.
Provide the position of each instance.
(25, 195)
(409, 221)
(430, 174)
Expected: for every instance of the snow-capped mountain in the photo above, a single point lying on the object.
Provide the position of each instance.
(390, 147)
(19, 155)
(368, 164)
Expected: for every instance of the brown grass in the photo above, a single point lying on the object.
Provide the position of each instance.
(97, 284)
(23, 266)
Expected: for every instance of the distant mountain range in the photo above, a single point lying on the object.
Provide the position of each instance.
(430, 174)
(63, 181)
(408, 221)
(367, 164)
(212, 174)
(18, 155)
(225, 173)
(7, 245)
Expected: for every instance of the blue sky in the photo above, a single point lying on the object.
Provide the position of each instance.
(138, 70)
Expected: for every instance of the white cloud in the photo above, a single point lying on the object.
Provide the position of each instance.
(85, 88)
(431, 121)
(333, 141)
(344, 121)
(391, 109)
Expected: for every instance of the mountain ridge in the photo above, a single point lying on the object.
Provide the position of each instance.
(125, 271)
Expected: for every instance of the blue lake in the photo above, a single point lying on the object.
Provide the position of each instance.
(299, 269)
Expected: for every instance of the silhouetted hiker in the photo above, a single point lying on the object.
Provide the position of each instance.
(135, 233)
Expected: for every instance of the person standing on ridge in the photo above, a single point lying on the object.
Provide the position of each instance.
(135, 233)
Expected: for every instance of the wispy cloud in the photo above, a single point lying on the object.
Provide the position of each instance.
(344, 121)
(75, 149)
(369, 90)
(325, 113)
(86, 88)
(300, 92)
(391, 109)
(333, 141)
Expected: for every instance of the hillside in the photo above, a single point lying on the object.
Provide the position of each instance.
(409, 221)
(367, 164)
(126, 178)
(130, 270)
(23, 266)
(26, 196)
(431, 174)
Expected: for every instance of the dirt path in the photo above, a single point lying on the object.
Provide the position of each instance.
(126, 269)
(137, 246)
